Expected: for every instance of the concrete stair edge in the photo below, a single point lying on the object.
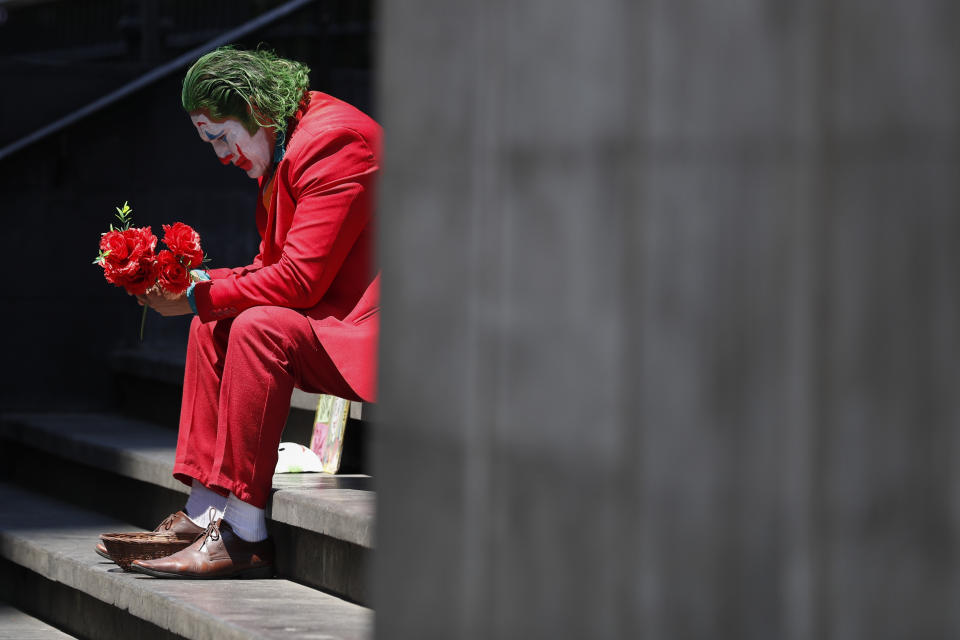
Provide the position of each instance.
(191, 608)
(15, 623)
(165, 366)
(135, 449)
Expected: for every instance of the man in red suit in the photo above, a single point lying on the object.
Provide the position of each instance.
(303, 314)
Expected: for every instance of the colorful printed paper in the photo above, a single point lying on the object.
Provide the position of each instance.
(329, 424)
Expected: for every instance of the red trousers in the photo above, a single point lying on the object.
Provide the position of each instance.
(239, 377)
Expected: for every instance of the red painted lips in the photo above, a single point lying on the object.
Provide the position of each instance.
(242, 161)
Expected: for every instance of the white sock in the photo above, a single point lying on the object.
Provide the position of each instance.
(246, 520)
(204, 505)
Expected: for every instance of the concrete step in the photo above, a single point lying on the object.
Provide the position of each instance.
(149, 382)
(46, 549)
(17, 625)
(160, 364)
(166, 365)
(323, 524)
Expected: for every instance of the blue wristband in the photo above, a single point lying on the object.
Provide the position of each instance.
(201, 276)
(193, 305)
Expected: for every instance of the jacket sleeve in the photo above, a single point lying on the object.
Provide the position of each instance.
(331, 183)
(228, 272)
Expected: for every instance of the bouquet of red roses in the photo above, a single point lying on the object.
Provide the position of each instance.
(129, 258)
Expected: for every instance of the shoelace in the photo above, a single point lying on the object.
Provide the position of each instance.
(168, 523)
(212, 532)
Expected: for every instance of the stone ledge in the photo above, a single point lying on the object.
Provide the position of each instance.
(55, 541)
(340, 506)
(167, 366)
(17, 624)
(150, 363)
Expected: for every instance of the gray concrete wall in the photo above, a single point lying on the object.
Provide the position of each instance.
(671, 320)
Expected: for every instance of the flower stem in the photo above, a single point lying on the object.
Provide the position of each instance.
(143, 321)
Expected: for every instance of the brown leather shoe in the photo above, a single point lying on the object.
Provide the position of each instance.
(177, 523)
(218, 553)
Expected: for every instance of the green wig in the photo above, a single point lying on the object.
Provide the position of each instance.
(259, 88)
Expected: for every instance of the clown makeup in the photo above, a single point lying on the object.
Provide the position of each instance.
(233, 143)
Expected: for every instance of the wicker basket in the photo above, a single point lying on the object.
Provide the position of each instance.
(124, 548)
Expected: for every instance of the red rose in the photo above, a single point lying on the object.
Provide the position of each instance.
(114, 245)
(112, 274)
(137, 277)
(128, 258)
(171, 275)
(184, 242)
(140, 242)
(130, 261)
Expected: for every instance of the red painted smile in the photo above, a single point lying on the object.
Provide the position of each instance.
(242, 161)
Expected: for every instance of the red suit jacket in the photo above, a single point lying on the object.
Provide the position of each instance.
(315, 219)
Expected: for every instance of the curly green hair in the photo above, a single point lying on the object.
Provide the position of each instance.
(259, 88)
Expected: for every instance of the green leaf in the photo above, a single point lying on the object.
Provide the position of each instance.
(101, 256)
(124, 215)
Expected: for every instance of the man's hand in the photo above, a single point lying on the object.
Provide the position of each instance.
(165, 304)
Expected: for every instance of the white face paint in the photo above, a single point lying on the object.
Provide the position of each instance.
(233, 144)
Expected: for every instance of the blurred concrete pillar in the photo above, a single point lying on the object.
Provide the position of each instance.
(671, 322)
